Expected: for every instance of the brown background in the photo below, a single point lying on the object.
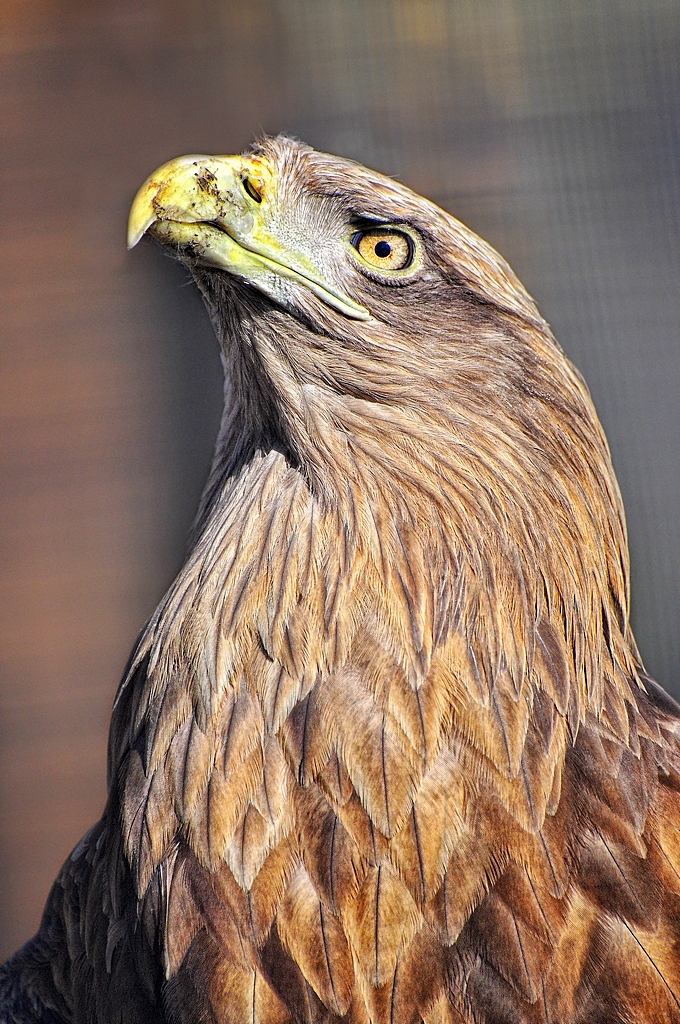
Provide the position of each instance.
(551, 127)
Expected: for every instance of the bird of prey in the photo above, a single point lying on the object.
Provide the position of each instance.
(386, 752)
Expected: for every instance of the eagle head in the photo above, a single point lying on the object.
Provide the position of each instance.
(395, 359)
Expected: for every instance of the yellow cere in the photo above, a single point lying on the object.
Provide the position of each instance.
(385, 249)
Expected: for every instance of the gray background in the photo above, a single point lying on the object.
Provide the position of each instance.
(551, 127)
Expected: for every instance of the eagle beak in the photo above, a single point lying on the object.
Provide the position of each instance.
(220, 211)
(154, 201)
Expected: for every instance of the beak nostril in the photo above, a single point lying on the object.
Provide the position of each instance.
(251, 190)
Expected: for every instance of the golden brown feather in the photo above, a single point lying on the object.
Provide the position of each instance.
(386, 751)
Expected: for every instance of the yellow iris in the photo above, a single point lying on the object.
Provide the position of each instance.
(385, 248)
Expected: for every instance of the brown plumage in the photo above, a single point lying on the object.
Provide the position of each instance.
(386, 751)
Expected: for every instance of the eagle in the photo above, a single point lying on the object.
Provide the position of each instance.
(386, 752)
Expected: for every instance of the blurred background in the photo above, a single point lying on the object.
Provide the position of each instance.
(552, 128)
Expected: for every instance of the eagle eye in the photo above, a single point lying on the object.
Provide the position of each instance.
(385, 248)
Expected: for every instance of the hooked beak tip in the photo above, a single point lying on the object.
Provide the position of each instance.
(139, 222)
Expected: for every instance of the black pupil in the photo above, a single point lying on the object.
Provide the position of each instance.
(382, 249)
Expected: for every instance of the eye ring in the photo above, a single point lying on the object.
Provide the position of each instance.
(250, 189)
(386, 249)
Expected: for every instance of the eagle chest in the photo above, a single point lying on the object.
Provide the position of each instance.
(293, 773)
